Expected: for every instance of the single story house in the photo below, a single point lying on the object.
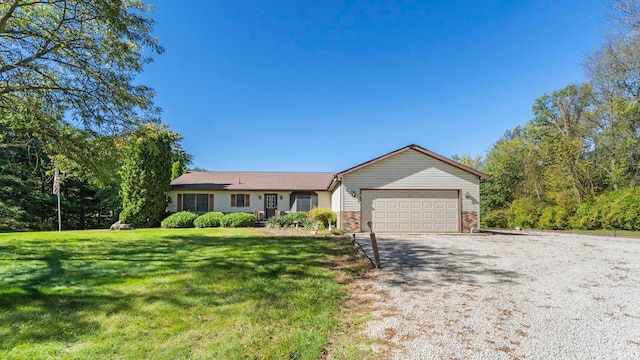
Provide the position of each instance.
(409, 190)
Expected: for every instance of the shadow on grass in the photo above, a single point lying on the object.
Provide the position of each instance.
(54, 291)
(436, 265)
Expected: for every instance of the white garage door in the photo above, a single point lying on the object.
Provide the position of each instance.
(410, 210)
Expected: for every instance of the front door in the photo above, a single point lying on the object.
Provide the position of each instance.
(270, 204)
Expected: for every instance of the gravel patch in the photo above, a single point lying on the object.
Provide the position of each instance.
(506, 296)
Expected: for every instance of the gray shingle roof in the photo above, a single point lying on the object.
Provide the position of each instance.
(253, 180)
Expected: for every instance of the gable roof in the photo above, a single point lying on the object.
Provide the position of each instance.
(419, 149)
(253, 180)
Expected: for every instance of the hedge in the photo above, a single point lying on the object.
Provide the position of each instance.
(183, 219)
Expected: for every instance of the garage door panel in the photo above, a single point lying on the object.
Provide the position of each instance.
(380, 216)
(411, 211)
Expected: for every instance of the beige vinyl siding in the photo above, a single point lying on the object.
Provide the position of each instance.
(410, 170)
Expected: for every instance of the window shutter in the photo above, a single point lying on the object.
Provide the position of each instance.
(233, 200)
(179, 204)
(246, 200)
(210, 202)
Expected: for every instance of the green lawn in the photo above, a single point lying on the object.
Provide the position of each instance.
(159, 293)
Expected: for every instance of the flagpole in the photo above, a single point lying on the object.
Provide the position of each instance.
(59, 214)
(56, 190)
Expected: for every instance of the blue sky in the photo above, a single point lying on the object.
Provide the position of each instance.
(326, 85)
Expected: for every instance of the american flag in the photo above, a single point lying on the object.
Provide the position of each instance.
(56, 184)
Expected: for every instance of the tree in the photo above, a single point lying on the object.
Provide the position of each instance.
(179, 158)
(26, 199)
(614, 70)
(475, 162)
(74, 62)
(146, 176)
(562, 123)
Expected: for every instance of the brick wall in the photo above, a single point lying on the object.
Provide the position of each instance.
(349, 221)
(469, 220)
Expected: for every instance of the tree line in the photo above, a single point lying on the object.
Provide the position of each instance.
(576, 163)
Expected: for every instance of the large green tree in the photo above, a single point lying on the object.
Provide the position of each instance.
(78, 58)
(146, 176)
(67, 78)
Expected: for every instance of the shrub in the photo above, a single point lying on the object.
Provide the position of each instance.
(525, 212)
(299, 216)
(310, 224)
(620, 209)
(276, 222)
(235, 220)
(587, 217)
(554, 217)
(183, 219)
(324, 216)
(210, 219)
(497, 218)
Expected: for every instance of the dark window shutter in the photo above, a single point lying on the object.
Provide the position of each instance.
(247, 200)
(233, 199)
(179, 204)
(210, 202)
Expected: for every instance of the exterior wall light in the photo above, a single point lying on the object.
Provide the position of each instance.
(467, 195)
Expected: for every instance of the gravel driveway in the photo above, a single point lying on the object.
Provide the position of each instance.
(506, 296)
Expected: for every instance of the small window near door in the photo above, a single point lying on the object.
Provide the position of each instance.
(197, 203)
(240, 200)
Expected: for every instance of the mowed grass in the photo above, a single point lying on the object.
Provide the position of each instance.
(162, 294)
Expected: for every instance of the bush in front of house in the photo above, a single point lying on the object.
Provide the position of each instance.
(310, 224)
(182, 219)
(292, 218)
(208, 220)
(235, 220)
(276, 222)
(324, 216)
(288, 220)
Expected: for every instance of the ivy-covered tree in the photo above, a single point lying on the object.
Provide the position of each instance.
(146, 176)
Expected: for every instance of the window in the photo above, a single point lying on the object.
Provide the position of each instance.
(303, 201)
(240, 200)
(198, 203)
